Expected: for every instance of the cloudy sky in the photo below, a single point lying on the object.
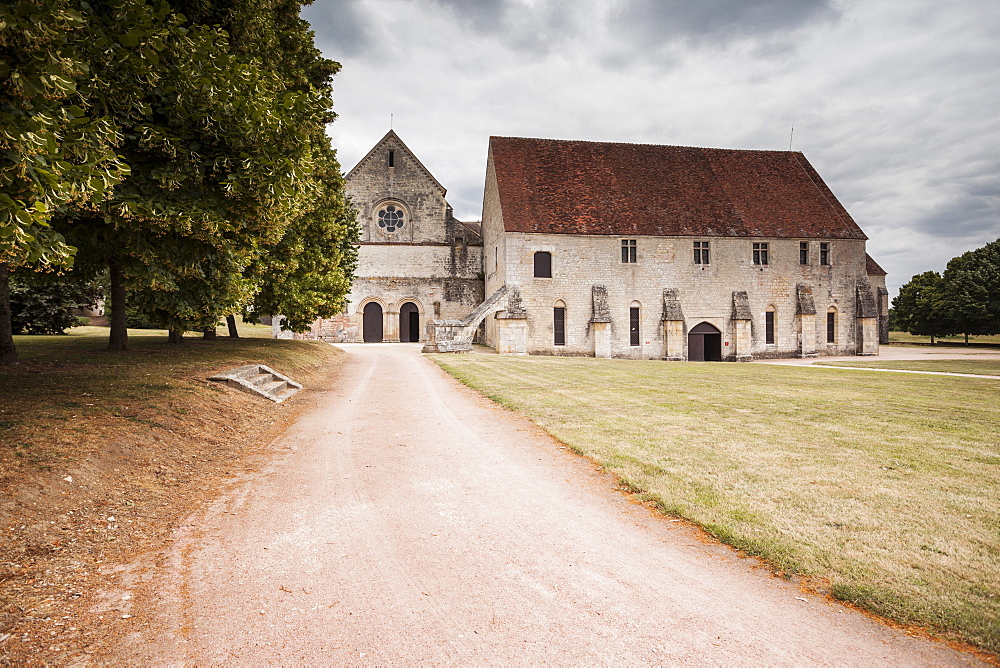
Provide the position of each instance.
(896, 103)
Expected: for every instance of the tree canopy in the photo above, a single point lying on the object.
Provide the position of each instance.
(176, 143)
(920, 307)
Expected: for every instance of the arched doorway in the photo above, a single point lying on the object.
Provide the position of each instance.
(704, 343)
(372, 323)
(409, 323)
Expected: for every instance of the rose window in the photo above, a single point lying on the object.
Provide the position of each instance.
(390, 218)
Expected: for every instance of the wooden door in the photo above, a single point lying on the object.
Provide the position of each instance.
(704, 343)
(409, 323)
(372, 323)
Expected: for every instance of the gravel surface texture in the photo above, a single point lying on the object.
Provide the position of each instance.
(408, 520)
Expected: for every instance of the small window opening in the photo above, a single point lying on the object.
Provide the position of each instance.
(769, 327)
(760, 253)
(701, 252)
(628, 251)
(392, 158)
(831, 326)
(824, 253)
(559, 325)
(633, 325)
(543, 264)
(803, 252)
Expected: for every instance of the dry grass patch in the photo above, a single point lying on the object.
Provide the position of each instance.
(102, 454)
(884, 485)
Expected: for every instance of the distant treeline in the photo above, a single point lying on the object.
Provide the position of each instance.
(965, 300)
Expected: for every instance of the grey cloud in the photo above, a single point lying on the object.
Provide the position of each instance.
(483, 15)
(720, 20)
(342, 27)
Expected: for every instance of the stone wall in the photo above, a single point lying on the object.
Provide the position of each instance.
(705, 292)
(494, 246)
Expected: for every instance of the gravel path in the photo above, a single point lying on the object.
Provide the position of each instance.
(408, 520)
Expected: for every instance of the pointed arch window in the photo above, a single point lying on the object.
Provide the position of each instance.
(634, 331)
(559, 323)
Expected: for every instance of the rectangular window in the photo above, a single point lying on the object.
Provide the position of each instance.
(628, 251)
(824, 253)
(701, 252)
(769, 327)
(543, 264)
(831, 327)
(760, 253)
(559, 325)
(633, 326)
(392, 158)
(803, 252)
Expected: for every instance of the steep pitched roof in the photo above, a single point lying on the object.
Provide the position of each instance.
(473, 226)
(872, 268)
(579, 187)
(392, 138)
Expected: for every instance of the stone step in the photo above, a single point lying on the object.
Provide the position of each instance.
(260, 380)
(273, 387)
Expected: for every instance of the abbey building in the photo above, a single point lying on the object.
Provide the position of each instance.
(613, 250)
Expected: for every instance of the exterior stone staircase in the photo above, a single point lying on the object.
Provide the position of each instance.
(260, 380)
(455, 336)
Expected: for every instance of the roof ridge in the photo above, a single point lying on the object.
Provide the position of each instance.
(632, 143)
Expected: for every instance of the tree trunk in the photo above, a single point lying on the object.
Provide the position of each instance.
(209, 333)
(175, 336)
(8, 353)
(118, 338)
(966, 338)
(932, 339)
(233, 332)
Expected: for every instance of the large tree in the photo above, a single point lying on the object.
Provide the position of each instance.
(308, 274)
(53, 149)
(219, 148)
(972, 291)
(920, 306)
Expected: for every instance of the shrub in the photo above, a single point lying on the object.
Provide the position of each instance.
(44, 303)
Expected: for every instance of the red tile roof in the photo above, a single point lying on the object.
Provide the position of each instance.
(580, 187)
(872, 268)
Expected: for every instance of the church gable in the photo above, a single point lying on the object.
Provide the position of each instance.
(397, 198)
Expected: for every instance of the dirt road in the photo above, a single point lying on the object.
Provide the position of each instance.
(411, 521)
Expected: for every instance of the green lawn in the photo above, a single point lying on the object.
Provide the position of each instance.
(983, 367)
(903, 337)
(883, 485)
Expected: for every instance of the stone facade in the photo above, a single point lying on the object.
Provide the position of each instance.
(699, 293)
(415, 261)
